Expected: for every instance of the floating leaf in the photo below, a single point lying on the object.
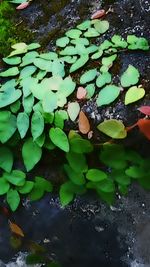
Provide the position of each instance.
(13, 199)
(113, 128)
(145, 110)
(22, 123)
(83, 41)
(27, 72)
(73, 33)
(101, 26)
(16, 229)
(49, 55)
(20, 48)
(49, 102)
(59, 138)
(84, 25)
(62, 42)
(37, 125)
(10, 72)
(103, 79)
(130, 76)
(134, 94)
(90, 90)
(84, 125)
(26, 188)
(88, 76)
(66, 193)
(91, 33)
(77, 161)
(7, 126)
(98, 14)
(81, 93)
(12, 60)
(73, 110)
(33, 46)
(4, 186)
(31, 148)
(67, 87)
(6, 159)
(58, 68)
(9, 96)
(119, 41)
(98, 54)
(43, 64)
(137, 43)
(79, 63)
(96, 175)
(107, 61)
(69, 51)
(28, 103)
(107, 95)
(16, 177)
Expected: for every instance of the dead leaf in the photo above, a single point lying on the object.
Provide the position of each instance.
(81, 93)
(22, 6)
(145, 110)
(98, 14)
(16, 229)
(84, 125)
(144, 126)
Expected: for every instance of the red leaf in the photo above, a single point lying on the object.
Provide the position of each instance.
(22, 6)
(145, 110)
(98, 14)
(16, 229)
(81, 93)
(84, 125)
(144, 126)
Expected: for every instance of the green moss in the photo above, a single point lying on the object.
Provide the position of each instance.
(10, 32)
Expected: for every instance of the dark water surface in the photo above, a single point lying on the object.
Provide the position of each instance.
(89, 233)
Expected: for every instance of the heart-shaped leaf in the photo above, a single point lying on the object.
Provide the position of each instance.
(88, 76)
(79, 63)
(59, 138)
(113, 128)
(103, 79)
(22, 123)
(73, 33)
(62, 42)
(73, 110)
(10, 72)
(134, 94)
(130, 76)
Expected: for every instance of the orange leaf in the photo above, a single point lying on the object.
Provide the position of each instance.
(144, 126)
(22, 6)
(98, 14)
(84, 125)
(81, 92)
(16, 229)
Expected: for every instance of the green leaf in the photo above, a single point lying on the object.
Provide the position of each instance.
(91, 33)
(83, 41)
(44, 184)
(62, 42)
(40, 186)
(103, 79)
(4, 186)
(107, 61)
(13, 199)
(60, 117)
(119, 41)
(58, 68)
(79, 63)
(31, 148)
(12, 60)
(16, 177)
(113, 156)
(90, 88)
(43, 64)
(66, 193)
(37, 125)
(137, 43)
(49, 102)
(40, 140)
(107, 95)
(97, 55)
(15, 106)
(101, 26)
(69, 51)
(88, 76)
(26, 188)
(76, 177)
(77, 162)
(134, 94)
(106, 186)
(120, 177)
(20, 48)
(27, 72)
(135, 172)
(73, 110)
(96, 175)
(33, 46)
(29, 58)
(10, 72)
(28, 103)
(6, 159)
(73, 33)
(113, 128)
(49, 55)
(67, 87)
(7, 126)
(59, 138)
(130, 76)
(80, 145)
(84, 25)
(22, 123)
(9, 96)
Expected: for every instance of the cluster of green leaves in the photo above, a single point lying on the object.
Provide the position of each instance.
(34, 106)
(118, 168)
(15, 183)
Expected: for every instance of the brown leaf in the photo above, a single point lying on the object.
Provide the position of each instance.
(81, 93)
(84, 125)
(16, 229)
(22, 6)
(98, 14)
(144, 126)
